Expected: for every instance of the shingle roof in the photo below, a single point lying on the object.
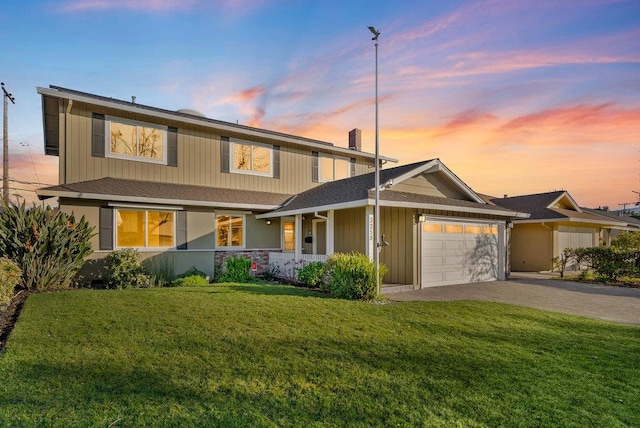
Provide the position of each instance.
(119, 189)
(538, 206)
(362, 188)
(630, 221)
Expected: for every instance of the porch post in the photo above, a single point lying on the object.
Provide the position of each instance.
(330, 233)
(297, 253)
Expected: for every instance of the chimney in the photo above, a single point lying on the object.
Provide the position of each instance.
(355, 139)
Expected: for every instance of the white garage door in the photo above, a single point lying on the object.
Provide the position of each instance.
(458, 253)
(574, 237)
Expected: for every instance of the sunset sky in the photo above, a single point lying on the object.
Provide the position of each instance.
(515, 97)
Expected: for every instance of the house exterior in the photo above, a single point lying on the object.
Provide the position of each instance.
(556, 222)
(190, 191)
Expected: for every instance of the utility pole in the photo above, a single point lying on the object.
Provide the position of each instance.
(5, 146)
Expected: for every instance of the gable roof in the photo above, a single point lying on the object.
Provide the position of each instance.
(150, 192)
(547, 207)
(631, 223)
(360, 191)
(184, 116)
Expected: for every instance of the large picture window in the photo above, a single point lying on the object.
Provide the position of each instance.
(136, 140)
(251, 158)
(145, 228)
(230, 231)
(333, 168)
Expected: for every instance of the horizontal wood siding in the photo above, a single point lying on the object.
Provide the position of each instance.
(198, 158)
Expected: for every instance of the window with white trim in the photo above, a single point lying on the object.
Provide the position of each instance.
(134, 140)
(251, 158)
(333, 168)
(145, 228)
(230, 231)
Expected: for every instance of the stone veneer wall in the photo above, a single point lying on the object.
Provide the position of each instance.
(260, 257)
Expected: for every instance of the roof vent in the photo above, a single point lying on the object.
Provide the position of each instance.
(191, 112)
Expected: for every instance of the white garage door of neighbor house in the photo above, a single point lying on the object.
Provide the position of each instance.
(459, 253)
(574, 237)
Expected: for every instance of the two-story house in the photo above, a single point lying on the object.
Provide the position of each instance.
(195, 190)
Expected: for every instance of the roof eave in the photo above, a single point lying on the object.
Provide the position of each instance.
(44, 194)
(249, 132)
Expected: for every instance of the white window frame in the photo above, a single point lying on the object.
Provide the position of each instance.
(244, 230)
(137, 124)
(146, 246)
(232, 168)
(333, 159)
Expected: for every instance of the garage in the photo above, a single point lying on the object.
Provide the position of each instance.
(454, 252)
(574, 237)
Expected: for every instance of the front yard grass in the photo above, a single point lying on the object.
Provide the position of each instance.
(270, 355)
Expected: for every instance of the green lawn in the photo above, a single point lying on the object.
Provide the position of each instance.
(266, 355)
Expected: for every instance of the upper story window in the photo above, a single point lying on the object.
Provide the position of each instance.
(333, 168)
(136, 140)
(251, 158)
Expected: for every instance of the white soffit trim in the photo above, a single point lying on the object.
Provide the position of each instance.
(142, 200)
(253, 132)
(342, 206)
(154, 207)
(570, 220)
(454, 208)
(571, 200)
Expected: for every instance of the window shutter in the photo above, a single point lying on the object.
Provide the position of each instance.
(352, 173)
(276, 161)
(181, 230)
(106, 228)
(172, 146)
(224, 154)
(98, 138)
(316, 165)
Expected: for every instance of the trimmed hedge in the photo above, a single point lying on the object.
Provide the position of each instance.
(352, 276)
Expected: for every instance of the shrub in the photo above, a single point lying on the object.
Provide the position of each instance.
(627, 241)
(50, 246)
(10, 276)
(191, 278)
(190, 281)
(311, 274)
(238, 269)
(610, 262)
(352, 276)
(125, 270)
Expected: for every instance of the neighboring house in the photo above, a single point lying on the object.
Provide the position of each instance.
(556, 222)
(191, 191)
(629, 224)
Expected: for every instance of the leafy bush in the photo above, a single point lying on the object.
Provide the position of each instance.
(50, 246)
(238, 269)
(352, 276)
(10, 276)
(125, 270)
(191, 278)
(190, 281)
(311, 274)
(627, 241)
(610, 262)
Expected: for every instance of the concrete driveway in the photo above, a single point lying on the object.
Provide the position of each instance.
(617, 304)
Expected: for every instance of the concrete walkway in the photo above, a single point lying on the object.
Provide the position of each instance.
(603, 302)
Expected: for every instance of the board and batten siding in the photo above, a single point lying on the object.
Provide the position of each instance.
(397, 226)
(198, 157)
(349, 226)
(433, 184)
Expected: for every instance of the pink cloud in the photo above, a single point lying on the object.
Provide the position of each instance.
(140, 5)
